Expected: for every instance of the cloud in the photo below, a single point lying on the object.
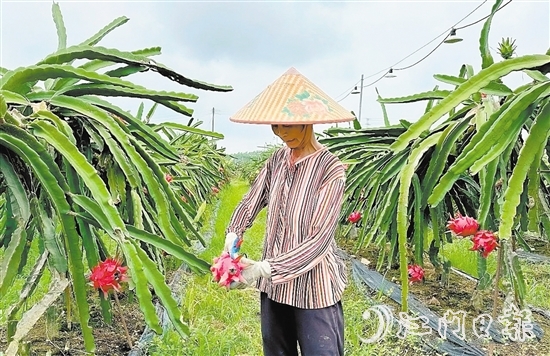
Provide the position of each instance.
(249, 45)
(255, 33)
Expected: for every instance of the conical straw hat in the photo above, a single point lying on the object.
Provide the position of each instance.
(292, 99)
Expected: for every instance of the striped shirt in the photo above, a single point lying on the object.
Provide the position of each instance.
(303, 206)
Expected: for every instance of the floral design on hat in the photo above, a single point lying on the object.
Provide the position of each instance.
(306, 104)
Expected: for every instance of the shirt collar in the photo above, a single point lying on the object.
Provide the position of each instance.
(314, 154)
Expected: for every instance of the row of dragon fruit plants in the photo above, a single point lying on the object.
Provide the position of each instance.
(77, 170)
(81, 175)
(475, 164)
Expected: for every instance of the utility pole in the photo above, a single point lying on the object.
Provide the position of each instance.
(360, 92)
(361, 98)
(213, 111)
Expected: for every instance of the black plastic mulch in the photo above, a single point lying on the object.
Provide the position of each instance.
(452, 345)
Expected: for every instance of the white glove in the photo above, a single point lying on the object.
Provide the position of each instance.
(230, 240)
(251, 273)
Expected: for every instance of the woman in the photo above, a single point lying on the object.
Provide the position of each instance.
(300, 276)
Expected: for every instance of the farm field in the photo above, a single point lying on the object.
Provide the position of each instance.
(111, 218)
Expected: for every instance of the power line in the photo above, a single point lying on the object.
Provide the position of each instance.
(423, 58)
(347, 91)
(435, 38)
(452, 28)
(391, 68)
(377, 80)
(483, 18)
(368, 85)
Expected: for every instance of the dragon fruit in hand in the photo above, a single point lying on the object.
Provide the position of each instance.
(226, 270)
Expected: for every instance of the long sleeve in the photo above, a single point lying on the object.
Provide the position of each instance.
(251, 204)
(315, 247)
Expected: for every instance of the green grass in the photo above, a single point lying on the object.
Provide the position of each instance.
(465, 260)
(535, 275)
(227, 322)
(12, 295)
(221, 322)
(536, 278)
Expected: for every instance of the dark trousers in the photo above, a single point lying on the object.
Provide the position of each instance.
(319, 332)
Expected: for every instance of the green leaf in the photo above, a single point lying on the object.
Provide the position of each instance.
(139, 113)
(137, 271)
(162, 291)
(518, 280)
(4, 213)
(384, 204)
(496, 149)
(418, 236)
(11, 258)
(535, 142)
(433, 252)
(486, 57)
(120, 157)
(47, 172)
(126, 71)
(95, 65)
(149, 170)
(196, 264)
(493, 88)
(384, 112)
(438, 160)
(174, 203)
(356, 123)
(487, 181)
(119, 21)
(473, 85)
(84, 169)
(135, 92)
(61, 125)
(180, 127)
(117, 183)
(89, 241)
(469, 70)
(533, 187)
(150, 113)
(60, 26)
(113, 55)
(490, 140)
(484, 278)
(18, 80)
(200, 211)
(3, 107)
(429, 95)
(104, 90)
(57, 256)
(536, 75)
(402, 210)
(137, 209)
(93, 208)
(430, 103)
(14, 98)
(16, 192)
(30, 285)
(152, 139)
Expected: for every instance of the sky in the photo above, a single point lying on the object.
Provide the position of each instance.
(249, 44)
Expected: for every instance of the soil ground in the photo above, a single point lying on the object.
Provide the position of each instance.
(457, 295)
(52, 336)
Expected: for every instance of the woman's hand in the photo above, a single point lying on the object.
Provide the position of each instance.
(232, 244)
(251, 273)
